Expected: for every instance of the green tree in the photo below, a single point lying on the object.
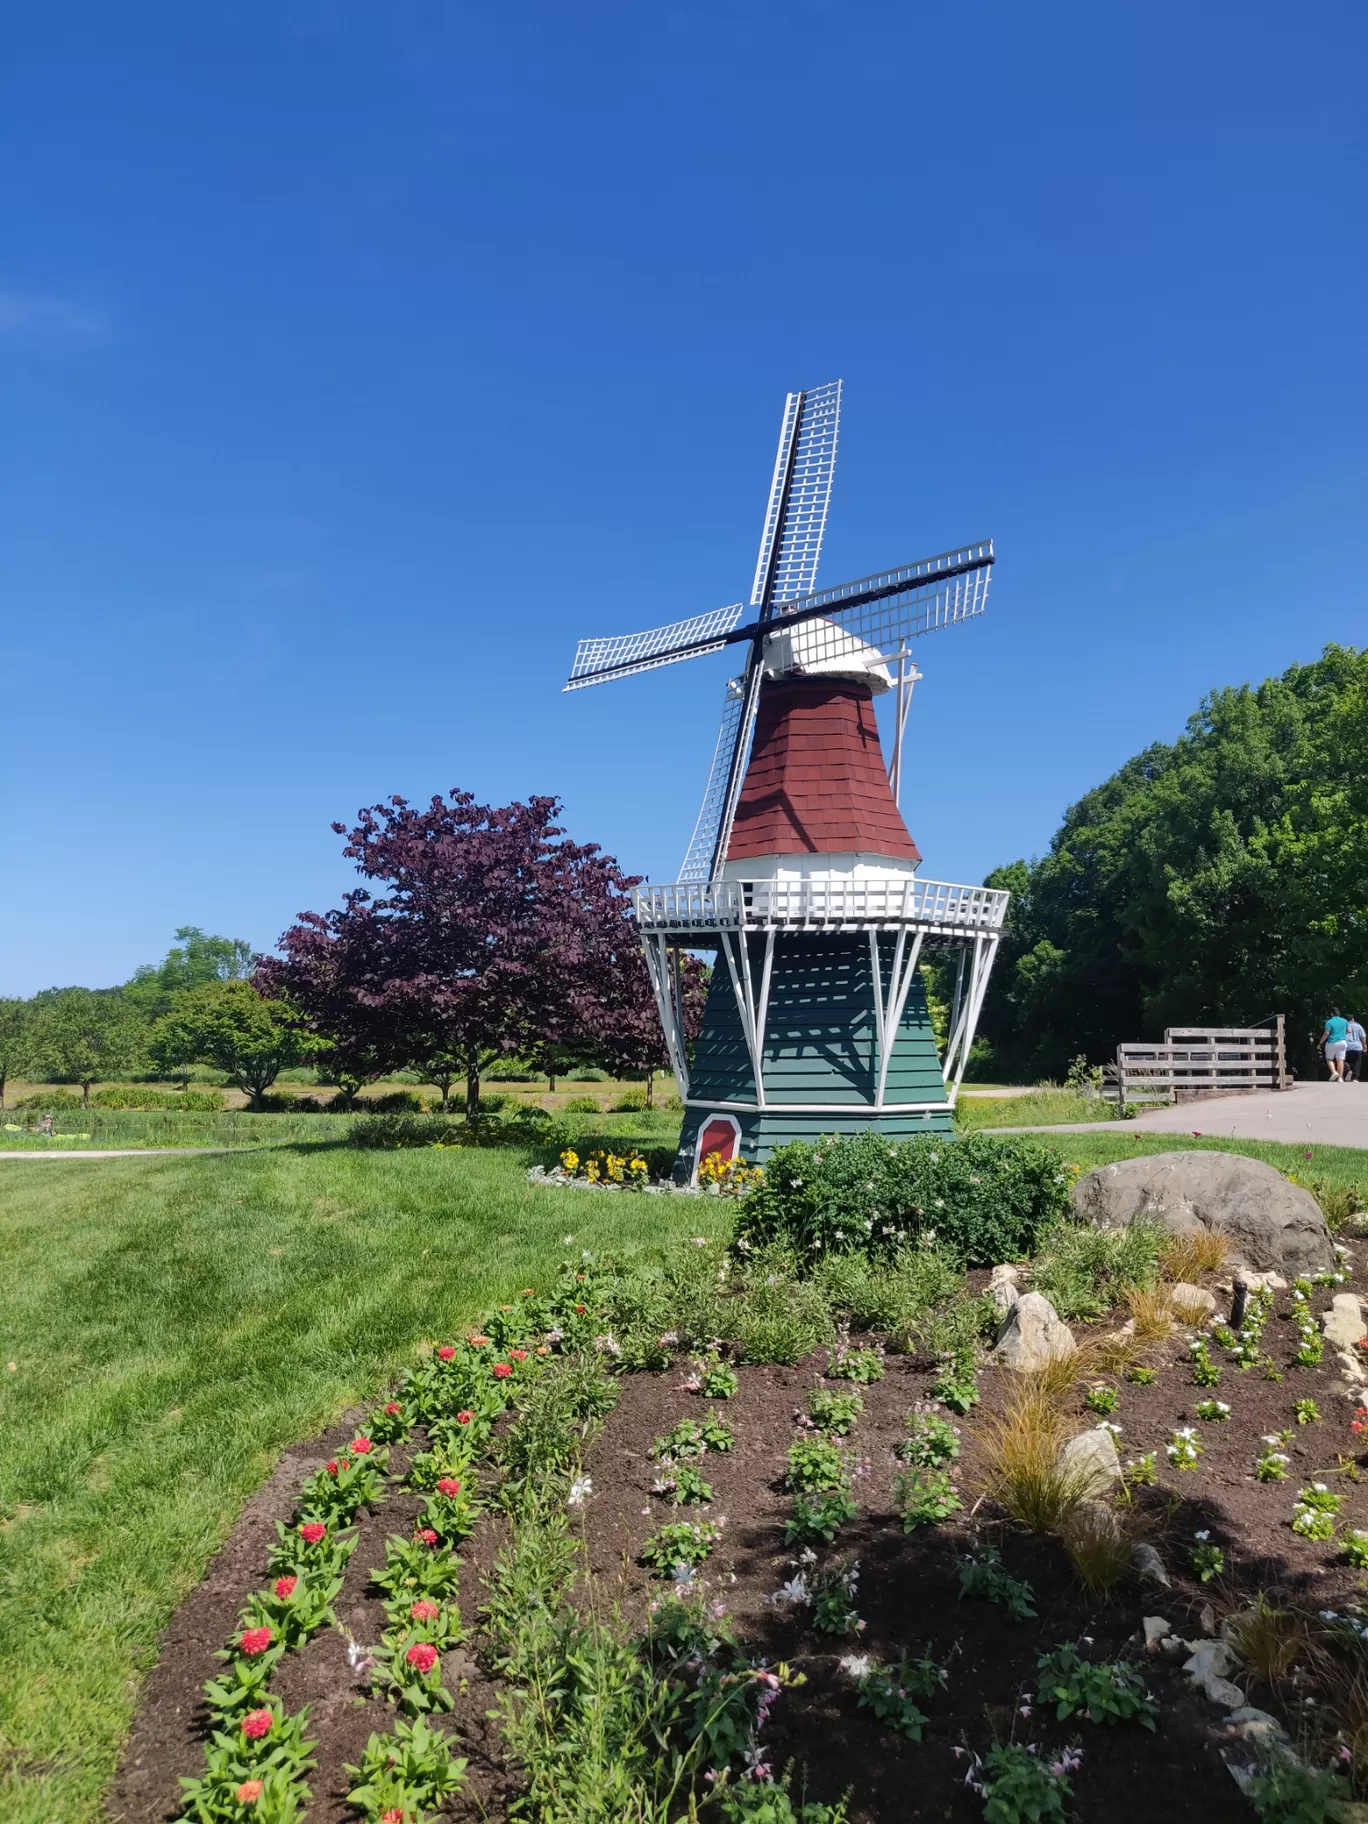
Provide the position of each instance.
(195, 959)
(16, 1023)
(85, 1036)
(228, 1025)
(1213, 881)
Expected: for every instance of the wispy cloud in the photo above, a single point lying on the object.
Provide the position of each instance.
(30, 317)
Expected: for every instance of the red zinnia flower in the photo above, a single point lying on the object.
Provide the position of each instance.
(285, 1586)
(581, 1309)
(361, 1447)
(477, 1341)
(423, 1656)
(501, 1371)
(393, 1409)
(448, 1486)
(446, 1353)
(257, 1723)
(392, 1816)
(313, 1532)
(249, 1792)
(424, 1611)
(464, 1416)
(425, 1536)
(332, 1466)
(254, 1641)
(517, 1355)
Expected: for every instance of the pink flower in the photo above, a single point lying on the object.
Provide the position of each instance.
(285, 1586)
(446, 1353)
(332, 1466)
(249, 1792)
(313, 1532)
(581, 1309)
(254, 1641)
(361, 1447)
(423, 1610)
(392, 1816)
(464, 1417)
(425, 1536)
(477, 1341)
(257, 1723)
(448, 1486)
(393, 1409)
(517, 1355)
(422, 1656)
(501, 1371)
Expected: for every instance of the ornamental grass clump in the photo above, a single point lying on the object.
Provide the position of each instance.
(1098, 1548)
(1268, 1640)
(1085, 1270)
(1026, 1474)
(1189, 1256)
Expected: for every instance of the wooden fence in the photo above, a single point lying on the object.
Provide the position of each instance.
(1197, 1061)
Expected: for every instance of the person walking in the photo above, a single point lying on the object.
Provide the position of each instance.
(1335, 1039)
(1354, 1039)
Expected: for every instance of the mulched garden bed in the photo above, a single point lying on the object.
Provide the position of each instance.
(908, 1594)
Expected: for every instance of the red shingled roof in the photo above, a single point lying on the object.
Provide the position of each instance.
(816, 783)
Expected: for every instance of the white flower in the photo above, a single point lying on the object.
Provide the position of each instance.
(795, 1590)
(580, 1490)
(1203, 1535)
(857, 1665)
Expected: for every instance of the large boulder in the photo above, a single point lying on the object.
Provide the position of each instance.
(1032, 1333)
(1271, 1222)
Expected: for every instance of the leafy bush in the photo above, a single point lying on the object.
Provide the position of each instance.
(396, 1102)
(1085, 1270)
(583, 1105)
(1286, 1792)
(984, 1577)
(630, 1102)
(834, 1412)
(894, 1295)
(50, 1098)
(152, 1101)
(924, 1497)
(987, 1200)
(532, 1127)
(1019, 1788)
(778, 1317)
(1105, 1692)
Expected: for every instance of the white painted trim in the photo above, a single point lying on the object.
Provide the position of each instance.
(824, 1108)
(722, 1114)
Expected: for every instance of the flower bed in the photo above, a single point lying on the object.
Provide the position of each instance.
(772, 1554)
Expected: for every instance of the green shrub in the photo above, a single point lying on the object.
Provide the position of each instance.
(630, 1102)
(583, 1105)
(135, 1098)
(396, 1102)
(986, 1200)
(1084, 1270)
(530, 1127)
(50, 1098)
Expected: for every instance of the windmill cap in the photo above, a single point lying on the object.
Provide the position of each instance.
(819, 648)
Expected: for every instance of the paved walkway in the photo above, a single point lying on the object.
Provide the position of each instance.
(1312, 1114)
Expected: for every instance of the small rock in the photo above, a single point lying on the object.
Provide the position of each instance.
(1258, 1282)
(1208, 1618)
(1091, 1456)
(1003, 1288)
(1248, 1724)
(1208, 1659)
(1148, 1564)
(1221, 1691)
(1032, 1334)
(1192, 1303)
(1156, 1629)
(1343, 1323)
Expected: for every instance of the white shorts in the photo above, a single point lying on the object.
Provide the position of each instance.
(1337, 1051)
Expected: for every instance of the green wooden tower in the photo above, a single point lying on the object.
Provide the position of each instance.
(801, 877)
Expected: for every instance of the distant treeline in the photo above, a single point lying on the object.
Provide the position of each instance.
(1213, 881)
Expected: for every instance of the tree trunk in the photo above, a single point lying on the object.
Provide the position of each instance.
(550, 1078)
(3, 1080)
(85, 1094)
(472, 1088)
(650, 1089)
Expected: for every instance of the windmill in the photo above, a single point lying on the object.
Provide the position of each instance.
(801, 873)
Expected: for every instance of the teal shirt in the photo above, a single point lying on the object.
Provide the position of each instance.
(1336, 1030)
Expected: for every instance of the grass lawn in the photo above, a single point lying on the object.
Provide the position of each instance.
(1033, 1108)
(173, 1324)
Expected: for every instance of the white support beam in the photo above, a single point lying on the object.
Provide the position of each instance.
(738, 967)
(957, 1026)
(984, 952)
(662, 965)
(899, 986)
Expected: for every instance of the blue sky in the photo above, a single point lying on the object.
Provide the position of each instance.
(355, 360)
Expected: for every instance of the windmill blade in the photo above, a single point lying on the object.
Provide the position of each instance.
(724, 780)
(622, 654)
(800, 492)
(886, 610)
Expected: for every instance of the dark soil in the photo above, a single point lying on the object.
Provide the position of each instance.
(908, 1594)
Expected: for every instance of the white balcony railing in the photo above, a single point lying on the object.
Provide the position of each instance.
(895, 901)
